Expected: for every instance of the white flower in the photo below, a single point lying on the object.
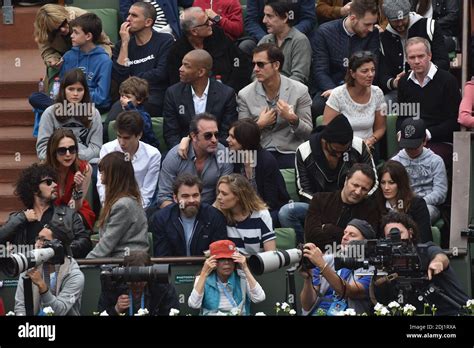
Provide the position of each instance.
(384, 311)
(142, 312)
(173, 312)
(284, 305)
(11, 313)
(393, 304)
(408, 309)
(48, 311)
(277, 304)
(470, 303)
(292, 312)
(235, 311)
(349, 311)
(378, 307)
(104, 314)
(260, 314)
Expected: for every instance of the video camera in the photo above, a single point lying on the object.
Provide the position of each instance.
(51, 252)
(270, 261)
(390, 256)
(113, 277)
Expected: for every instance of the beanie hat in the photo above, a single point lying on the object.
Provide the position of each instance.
(364, 227)
(396, 9)
(339, 130)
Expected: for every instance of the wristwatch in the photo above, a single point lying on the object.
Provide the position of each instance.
(216, 19)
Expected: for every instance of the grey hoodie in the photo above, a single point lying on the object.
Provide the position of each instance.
(427, 174)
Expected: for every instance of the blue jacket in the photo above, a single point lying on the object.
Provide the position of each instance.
(148, 135)
(169, 7)
(211, 299)
(332, 48)
(305, 18)
(168, 232)
(97, 67)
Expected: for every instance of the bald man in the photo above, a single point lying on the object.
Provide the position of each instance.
(195, 94)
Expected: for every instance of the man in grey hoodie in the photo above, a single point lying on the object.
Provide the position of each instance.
(425, 168)
(403, 25)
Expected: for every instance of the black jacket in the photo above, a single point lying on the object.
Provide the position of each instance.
(270, 183)
(228, 60)
(178, 110)
(168, 232)
(64, 219)
(392, 51)
(446, 13)
(312, 171)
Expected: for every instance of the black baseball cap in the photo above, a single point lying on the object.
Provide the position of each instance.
(413, 132)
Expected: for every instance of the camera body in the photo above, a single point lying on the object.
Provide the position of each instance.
(15, 264)
(113, 278)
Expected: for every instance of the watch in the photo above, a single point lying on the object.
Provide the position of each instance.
(216, 19)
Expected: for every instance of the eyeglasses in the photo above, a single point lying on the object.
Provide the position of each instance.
(206, 23)
(261, 65)
(209, 135)
(333, 152)
(61, 151)
(48, 181)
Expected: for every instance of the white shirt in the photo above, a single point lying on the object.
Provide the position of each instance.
(146, 165)
(428, 77)
(200, 102)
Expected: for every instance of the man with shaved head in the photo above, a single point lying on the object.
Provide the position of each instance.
(195, 94)
(230, 63)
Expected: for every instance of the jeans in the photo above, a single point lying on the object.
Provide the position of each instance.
(293, 215)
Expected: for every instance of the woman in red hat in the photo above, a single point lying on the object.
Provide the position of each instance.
(221, 288)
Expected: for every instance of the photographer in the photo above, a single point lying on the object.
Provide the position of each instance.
(58, 286)
(330, 290)
(439, 273)
(220, 287)
(127, 298)
(37, 189)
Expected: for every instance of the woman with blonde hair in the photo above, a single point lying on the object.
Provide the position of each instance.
(249, 224)
(53, 36)
(122, 222)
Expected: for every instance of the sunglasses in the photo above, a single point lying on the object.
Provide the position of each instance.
(61, 151)
(333, 152)
(261, 65)
(209, 135)
(206, 24)
(48, 181)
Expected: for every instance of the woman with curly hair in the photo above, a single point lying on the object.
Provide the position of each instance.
(249, 224)
(74, 175)
(122, 222)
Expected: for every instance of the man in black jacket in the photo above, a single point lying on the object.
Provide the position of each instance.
(403, 25)
(187, 227)
(195, 94)
(322, 163)
(37, 189)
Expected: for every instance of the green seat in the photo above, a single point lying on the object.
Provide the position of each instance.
(436, 235)
(111, 131)
(285, 238)
(157, 124)
(391, 134)
(290, 182)
(94, 239)
(319, 120)
(109, 18)
(104, 117)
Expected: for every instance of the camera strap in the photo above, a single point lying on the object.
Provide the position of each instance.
(142, 302)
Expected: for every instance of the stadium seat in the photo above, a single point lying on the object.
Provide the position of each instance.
(319, 121)
(285, 238)
(436, 235)
(391, 134)
(290, 182)
(109, 18)
(157, 124)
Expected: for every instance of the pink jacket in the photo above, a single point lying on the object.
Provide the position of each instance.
(465, 117)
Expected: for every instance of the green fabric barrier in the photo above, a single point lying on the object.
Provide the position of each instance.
(285, 238)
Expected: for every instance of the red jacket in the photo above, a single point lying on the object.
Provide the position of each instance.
(230, 12)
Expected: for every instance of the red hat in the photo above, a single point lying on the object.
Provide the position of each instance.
(222, 249)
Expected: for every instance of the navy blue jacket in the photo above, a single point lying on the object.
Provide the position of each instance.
(178, 110)
(168, 232)
(332, 48)
(169, 7)
(270, 183)
(305, 17)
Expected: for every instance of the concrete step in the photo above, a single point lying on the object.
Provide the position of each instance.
(4, 217)
(20, 33)
(17, 141)
(15, 112)
(20, 72)
(9, 202)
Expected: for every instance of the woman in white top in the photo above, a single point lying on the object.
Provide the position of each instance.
(362, 103)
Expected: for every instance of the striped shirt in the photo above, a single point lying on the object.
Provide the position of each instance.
(161, 24)
(253, 232)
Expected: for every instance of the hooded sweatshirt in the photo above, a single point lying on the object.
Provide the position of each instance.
(97, 67)
(427, 175)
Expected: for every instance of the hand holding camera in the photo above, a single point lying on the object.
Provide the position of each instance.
(314, 254)
(37, 279)
(123, 302)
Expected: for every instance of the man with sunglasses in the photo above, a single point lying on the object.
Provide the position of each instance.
(231, 64)
(322, 163)
(37, 189)
(280, 106)
(202, 161)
